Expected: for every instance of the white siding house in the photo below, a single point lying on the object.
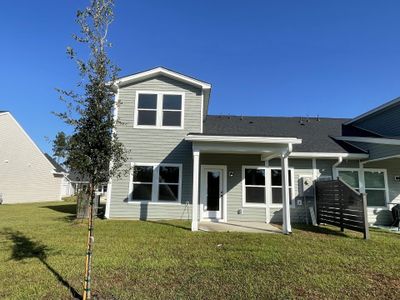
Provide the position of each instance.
(26, 175)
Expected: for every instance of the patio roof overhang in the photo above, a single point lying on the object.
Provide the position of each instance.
(266, 147)
(241, 144)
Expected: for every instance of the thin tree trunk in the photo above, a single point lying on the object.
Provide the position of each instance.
(90, 241)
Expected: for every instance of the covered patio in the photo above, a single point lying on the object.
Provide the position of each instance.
(255, 227)
(210, 195)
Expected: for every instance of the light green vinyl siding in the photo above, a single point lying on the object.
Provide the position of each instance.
(156, 146)
(235, 209)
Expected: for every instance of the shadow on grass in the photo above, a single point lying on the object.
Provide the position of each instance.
(323, 230)
(24, 248)
(159, 222)
(63, 208)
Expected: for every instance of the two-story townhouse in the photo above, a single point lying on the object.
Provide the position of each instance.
(186, 164)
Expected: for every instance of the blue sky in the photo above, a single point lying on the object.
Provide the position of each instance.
(282, 58)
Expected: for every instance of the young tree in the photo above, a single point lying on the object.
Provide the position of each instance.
(60, 145)
(93, 143)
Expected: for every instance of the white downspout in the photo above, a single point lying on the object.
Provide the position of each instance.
(334, 171)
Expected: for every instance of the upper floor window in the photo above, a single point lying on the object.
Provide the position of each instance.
(159, 110)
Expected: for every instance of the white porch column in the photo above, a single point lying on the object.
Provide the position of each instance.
(287, 227)
(362, 178)
(195, 196)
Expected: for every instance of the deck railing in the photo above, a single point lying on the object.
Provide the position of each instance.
(340, 205)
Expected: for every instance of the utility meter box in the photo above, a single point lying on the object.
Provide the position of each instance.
(306, 187)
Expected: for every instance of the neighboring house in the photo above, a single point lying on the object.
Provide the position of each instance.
(26, 174)
(77, 182)
(187, 164)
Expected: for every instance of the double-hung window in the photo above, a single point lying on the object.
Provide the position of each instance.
(351, 177)
(374, 183)
(142, 186)
(256, 186)
(155, 182)
(276, 186)
(159, 110)
(168, 183)
(375, 187)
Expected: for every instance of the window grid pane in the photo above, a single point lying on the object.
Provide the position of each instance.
(147, 101)
(374, 179)
(142, 191)
(169, 174)
(143, 174)
(172, 118)
(255, 177)
(168, 192)
(255, 195)
(376, 197)
(147, 117)
(350, 177)
(172, 102)
(276, 178)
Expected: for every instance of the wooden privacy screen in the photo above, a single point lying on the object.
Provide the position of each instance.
(340, 205)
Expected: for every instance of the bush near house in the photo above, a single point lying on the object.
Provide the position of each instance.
(41, 248)
(71, 199)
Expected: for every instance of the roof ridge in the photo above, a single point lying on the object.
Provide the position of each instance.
(288, 117)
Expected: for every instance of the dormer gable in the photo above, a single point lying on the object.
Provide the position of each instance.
(162, 71)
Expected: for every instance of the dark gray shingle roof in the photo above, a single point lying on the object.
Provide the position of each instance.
(58, 168)
(315, 133)
(77, 177)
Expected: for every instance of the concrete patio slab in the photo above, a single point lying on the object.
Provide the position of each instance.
(257, 227)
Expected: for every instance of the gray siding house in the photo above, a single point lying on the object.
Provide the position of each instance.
(186, 164)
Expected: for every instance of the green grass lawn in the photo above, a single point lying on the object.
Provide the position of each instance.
(42, 257)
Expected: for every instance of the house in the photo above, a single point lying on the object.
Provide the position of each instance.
(26, 174)
(187, 164)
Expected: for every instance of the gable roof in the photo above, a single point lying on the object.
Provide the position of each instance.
(7, 113)
(57, 167)
(316, 133)
(378, 109)
(165, 72)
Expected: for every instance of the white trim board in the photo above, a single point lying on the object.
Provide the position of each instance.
(161, 71)
(383, 141)
(242, 139)
(328, 155)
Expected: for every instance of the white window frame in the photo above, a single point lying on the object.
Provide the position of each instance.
(360, 183)
(293, 194)
(155, 183)
(249, 204)
(267, 188)
(159, 110)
